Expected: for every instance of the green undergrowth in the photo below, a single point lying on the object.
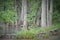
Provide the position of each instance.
(31, 33)
(25, 34)
(45, 29)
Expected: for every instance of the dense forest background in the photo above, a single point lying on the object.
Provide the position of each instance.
(29, 16)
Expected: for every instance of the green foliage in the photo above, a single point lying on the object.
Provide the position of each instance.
(56, 17)
(53, 27)
(32, 10)
(25, 34)
(7, 12)
(32, 32)
(45, 29)
(8, 16)
(33, 6)
(57, 5)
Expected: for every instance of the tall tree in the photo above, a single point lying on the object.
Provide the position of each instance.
(16, 10)
(24, 12)
(43, 15)
(21, 19)
(38, 12)
(48, 13)
(51, 11)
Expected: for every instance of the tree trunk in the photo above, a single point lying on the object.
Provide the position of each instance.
(51, 11)
(16, 10)
(38, 12)
(43, 15)
(38, 17)
(3, 29)
(24, 12)
(7, 27)
(48, 13)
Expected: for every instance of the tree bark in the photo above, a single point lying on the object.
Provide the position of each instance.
(16, 10)
(24, 12)
(51, 11)
(43, 15)
(48, 13)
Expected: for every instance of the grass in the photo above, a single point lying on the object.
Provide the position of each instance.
(33, 31)
(25, 34)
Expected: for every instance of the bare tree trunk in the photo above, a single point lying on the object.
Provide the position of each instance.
(24, 5)
(7, 27)
(43, 15)
(22, 14)
(38, 17)
(38, 12)
(51, 11)
(16, 10)
(48, 13)
(3, 29)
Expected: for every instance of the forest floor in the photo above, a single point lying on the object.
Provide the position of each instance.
(52, 36)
